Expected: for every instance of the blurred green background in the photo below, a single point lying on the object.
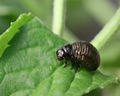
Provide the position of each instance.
(84, 19)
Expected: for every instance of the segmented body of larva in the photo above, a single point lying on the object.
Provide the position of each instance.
(81, 53)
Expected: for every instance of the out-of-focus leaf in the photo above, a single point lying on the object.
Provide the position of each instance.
(40, 8)
(110, 54)
(68, 36)
(110, 57)
(100, 10)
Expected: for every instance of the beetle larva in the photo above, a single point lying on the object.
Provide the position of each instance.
(81, 53)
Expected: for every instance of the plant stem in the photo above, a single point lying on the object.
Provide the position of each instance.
(108, 31)
(58, 16)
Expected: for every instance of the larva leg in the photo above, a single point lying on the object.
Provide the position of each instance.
(78, 67)
(72, 66)
(65, 63)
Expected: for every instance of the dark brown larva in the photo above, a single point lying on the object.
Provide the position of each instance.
(81, 53)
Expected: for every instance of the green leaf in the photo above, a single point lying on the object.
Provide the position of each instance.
(29, 66)
(8, 35)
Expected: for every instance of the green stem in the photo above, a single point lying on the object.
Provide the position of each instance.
(58, 16)
(108, 31)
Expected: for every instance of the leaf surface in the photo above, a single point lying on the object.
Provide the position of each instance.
(29, 66)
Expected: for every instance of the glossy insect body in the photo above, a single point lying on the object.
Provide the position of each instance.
(81, 53)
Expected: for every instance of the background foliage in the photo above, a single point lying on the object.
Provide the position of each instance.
(84, 19)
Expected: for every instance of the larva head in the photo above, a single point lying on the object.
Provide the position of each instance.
(60, 54)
